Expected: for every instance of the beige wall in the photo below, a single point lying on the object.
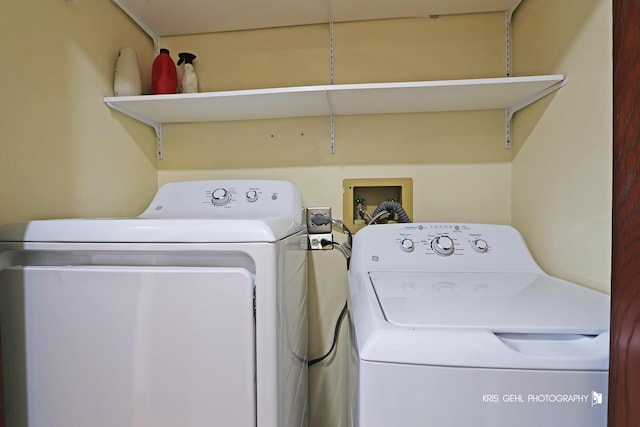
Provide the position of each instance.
(63, 152)
(556, 190)
(561, 188)
(460, 168)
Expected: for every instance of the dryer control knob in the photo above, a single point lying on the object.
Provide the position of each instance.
(407, 245)
(480, 245)
(220, 197)
(252, 195)
(442, 245)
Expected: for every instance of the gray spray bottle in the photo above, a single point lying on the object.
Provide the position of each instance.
(189, 81)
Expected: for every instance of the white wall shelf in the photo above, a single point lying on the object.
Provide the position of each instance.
(166, 18)
(508, 93)
(161, 18)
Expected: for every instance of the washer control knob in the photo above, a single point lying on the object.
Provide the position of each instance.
(252, 195)
(442, 245)
(407, 245)
(480, 245)
(220, 197)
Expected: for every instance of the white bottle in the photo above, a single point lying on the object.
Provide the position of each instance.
(189, 80)
(126, 78)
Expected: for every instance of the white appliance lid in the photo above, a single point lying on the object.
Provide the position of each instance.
(209, 211)
(140, 230)
(499, 302)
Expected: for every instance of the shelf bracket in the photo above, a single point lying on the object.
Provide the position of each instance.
(508, 14)
(156, 39)
(512, 109)
(158, 128)
(508, 115)
(333, 135)
(332, 123)
(331, 117)
(331, 53)
(507, 42)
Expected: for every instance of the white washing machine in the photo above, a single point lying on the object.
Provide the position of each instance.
(192, 314)
(455, 325)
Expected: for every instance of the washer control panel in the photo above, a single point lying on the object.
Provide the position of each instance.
(442, 240)
(226, 199)
(447, 246)
(222, 196)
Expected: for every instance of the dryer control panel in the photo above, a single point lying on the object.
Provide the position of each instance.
(238, 199)
(445, 247)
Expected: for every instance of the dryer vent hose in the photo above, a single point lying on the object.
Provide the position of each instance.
(392, 207)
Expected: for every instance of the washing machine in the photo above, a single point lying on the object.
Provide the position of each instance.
(456, 325)
(192, 314)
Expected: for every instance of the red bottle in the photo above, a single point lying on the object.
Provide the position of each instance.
(164, 78)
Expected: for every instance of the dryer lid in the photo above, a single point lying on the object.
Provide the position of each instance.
(138, 230)
(209, 211)
(498, 302)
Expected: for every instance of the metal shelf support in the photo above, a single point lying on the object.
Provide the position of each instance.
(122, 4)
(512, 109)
(508, 14)
(331, 64)
(333, 135)
(157, 126)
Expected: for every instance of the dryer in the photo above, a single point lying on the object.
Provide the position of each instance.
(192, 314)
(456, 325)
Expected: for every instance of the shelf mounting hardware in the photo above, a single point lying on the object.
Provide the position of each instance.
(332, 123)
(157, 126)
(333, 135)
(512, 109)
(331, 117)
(122, 4)
(507, 42)
(331, 53)
(508, 14)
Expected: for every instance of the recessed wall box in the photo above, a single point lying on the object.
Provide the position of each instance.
(369, 193)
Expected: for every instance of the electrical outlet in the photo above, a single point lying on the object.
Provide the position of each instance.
(316, 241)
(319, 220)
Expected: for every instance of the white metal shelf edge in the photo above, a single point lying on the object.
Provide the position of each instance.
(167, 17)
(324, 100)
(332, 100)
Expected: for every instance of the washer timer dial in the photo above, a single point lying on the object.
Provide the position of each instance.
(480, 245)
(252, 195)
(407, 245)
(220, 197)
(442, 245)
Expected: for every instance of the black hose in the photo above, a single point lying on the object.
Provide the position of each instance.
(392, 207)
